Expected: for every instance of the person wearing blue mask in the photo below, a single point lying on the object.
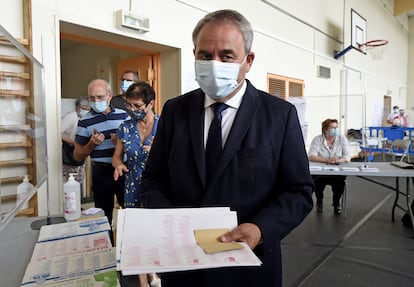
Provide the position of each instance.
(96, 137)
(69, 125)
(331, 148)
(134, 139)
(229, 144)
(128, 78)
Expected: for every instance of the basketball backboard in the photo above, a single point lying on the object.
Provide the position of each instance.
(358, 31)
(358, 35)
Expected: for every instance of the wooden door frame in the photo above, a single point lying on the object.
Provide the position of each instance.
(114, 45)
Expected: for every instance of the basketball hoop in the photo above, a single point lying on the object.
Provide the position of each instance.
(374, 47)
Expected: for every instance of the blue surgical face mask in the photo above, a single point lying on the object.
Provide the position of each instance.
(217, 79)
(334, 132)
(125, 85)
(99, 107)
(82, 112)
(138, 114)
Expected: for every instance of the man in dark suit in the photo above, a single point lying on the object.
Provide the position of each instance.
(262, 171)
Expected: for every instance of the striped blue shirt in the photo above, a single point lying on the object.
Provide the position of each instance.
(100, 123)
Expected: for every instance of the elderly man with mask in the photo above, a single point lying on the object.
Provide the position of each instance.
(96, 137)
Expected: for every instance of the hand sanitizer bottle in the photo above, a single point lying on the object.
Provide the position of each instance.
(22, 190)
(71, 199)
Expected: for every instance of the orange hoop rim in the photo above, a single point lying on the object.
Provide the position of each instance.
(374, 43)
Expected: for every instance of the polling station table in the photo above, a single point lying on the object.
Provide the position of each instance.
(370, 171)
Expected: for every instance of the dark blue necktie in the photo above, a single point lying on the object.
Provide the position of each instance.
(214, 142)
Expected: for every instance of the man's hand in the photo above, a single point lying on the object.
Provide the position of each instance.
(97, 138)
(246, 232)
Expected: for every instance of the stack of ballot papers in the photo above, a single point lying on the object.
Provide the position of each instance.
(165, 240)
(73, 254)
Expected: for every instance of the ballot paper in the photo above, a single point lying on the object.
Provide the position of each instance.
(366, 168)
(73, 228)
(162, 240)
(331, 168)
(95, 268)
(349, 168)
(45, 250)
(315, 167)
(73, 254)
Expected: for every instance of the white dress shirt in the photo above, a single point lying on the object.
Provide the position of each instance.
(228, 114)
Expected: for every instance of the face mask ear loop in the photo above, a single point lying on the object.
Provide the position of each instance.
(241, 64)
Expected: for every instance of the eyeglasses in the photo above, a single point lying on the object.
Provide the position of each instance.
(98, 98)
(134, 106)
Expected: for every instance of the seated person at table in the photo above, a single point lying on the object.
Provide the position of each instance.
(331, 148)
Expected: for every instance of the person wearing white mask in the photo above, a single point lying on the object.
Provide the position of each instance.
(331, 148)
(229, 144)
(96, 137)
(69, 124)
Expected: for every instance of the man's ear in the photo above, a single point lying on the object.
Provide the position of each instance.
(249, 61)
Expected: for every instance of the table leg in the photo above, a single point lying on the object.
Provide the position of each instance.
(397, 195)
(343, 203)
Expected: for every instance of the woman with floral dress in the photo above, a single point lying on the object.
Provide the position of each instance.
(134, 139)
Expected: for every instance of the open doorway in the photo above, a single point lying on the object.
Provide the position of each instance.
(87, 53)
(386, 111)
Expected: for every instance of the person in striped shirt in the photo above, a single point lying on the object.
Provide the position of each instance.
(96, 137)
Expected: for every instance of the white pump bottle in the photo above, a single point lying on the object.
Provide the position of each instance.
(22, 190)
(71, 199)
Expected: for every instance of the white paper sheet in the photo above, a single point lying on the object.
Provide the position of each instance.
(77, 268)
(162, 240)
(73, 228)
(72, 245)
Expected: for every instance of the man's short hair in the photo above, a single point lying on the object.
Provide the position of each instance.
(135, 73)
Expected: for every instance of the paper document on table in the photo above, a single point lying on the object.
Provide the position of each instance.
(315, 167)
(72, 245)
(73, 228)
(88, 269)
(402, 164)
(349, 168)
(331, 168)
(162, 240)
(365, 168)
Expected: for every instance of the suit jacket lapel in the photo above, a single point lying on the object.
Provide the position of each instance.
(245, 114)
(196, 124)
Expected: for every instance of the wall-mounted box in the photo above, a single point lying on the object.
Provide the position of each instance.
(129, 20)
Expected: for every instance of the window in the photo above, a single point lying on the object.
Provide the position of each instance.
(285, 87)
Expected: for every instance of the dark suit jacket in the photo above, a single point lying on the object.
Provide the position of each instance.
(263, 174)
